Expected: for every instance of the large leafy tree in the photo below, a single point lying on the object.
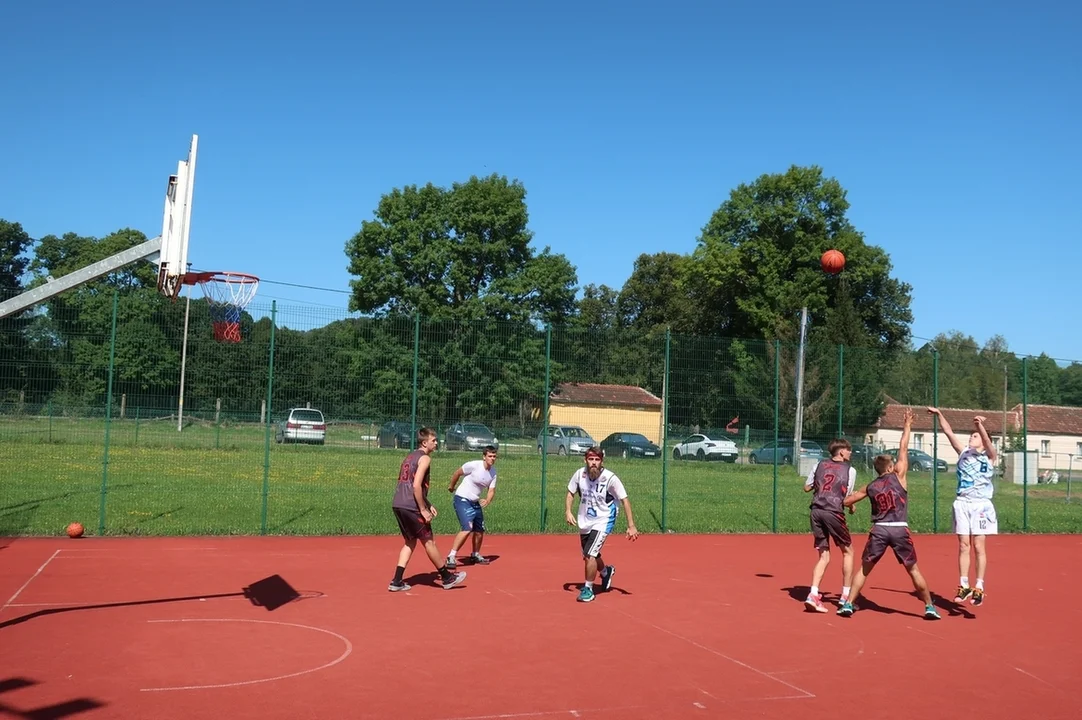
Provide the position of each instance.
(458, 253)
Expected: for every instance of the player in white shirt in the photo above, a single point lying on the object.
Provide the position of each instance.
(599, 490)
(974, 513)
(478, 476)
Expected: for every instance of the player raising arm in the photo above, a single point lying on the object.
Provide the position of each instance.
(889, 496)
(599, 490)
(974, 513)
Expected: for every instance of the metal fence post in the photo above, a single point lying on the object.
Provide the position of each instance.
(545, 423)
(935, 442)
(267, 427)
(108, 419)
(665, 438)
(841, 387)
(777, 416)
(416, 364)
(1025, 444)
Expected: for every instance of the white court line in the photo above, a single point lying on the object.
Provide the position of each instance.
(332, 663)
(925, 632)
(1036, 678)
(544, 713)
(804, 693)
(19, 591)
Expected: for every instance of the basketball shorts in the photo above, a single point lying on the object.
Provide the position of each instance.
(975, 517)
(892, 537)
(412, 525)
(471, 516)
(592, 542)
(827, 526)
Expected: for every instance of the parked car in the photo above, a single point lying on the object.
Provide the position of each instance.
(920, 461)
(782, 451)
(564, 440)
(395, 433)
(864, 455)
(629, 445)
(469, 436)
(302, 425)
(703, 446)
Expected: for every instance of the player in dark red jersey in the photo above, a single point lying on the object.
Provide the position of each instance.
(831, 480)
(889, 496)
(414, 513)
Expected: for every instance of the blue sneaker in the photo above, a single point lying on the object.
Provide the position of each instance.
(606, 577)
(930, 613)
(846, 609)
(587, 594)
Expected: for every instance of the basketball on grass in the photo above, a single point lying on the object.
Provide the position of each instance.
(75, 530)
(833, 261)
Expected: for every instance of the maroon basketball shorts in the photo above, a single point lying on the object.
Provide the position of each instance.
(412, 525)
(895, 537)
(827, 526)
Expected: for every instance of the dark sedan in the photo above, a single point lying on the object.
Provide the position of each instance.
(630, 445)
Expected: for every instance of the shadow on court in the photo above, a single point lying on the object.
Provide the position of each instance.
(576, 587)
(56, 711)
(939, 601)
(269, 593)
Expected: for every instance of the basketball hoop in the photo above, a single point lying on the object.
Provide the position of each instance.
(227, 294)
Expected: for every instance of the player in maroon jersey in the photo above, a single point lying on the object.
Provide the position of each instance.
(889, 497)
(832, 480)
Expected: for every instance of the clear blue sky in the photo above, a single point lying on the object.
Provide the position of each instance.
(954, 126)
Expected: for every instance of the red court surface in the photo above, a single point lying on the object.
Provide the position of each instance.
(695, 627)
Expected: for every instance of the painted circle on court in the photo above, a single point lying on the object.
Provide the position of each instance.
(232, 652)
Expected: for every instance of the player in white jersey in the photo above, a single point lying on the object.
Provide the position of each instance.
(478, 476)
(599, 490)
(974, 513)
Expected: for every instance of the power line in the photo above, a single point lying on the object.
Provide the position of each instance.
(305, 287)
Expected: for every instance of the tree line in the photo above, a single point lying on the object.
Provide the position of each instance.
(461, 316)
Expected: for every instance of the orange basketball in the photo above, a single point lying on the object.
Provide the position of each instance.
(75, 530)
(833, 262)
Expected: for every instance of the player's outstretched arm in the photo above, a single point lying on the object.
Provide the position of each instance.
(901, 465)
(854, 497)
(455, 477)
(989, 446)
(632, 532)
(946, 428)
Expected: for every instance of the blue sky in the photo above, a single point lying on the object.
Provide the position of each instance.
(954, 126)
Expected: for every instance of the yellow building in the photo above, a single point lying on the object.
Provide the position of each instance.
(604, 409)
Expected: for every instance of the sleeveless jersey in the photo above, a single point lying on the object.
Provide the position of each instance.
(890, 501)
(975, 474)
(403, 492)
(831, 481)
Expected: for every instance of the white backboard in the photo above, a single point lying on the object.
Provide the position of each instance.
(176, 224)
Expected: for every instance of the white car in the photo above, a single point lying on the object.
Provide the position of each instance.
(703, 447)
(304, 425)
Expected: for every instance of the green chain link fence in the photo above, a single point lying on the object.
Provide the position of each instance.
(701, 429)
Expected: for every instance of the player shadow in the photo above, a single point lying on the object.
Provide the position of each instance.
(576, 587)
(800, 594)
(939, 601)
(467, 560)
(56, 711)
(428, 579)
(269, 593)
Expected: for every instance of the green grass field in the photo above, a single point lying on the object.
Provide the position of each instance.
(210, 480)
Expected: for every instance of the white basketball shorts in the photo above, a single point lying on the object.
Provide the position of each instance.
(975, 517)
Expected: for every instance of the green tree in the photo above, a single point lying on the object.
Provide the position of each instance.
(458, 253)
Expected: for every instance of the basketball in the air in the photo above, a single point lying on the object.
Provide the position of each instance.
(75, 530)
(833, 262)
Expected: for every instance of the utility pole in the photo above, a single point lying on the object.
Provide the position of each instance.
(799, 426)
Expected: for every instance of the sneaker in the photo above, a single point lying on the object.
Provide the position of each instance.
(815, 602)
(606, 577)
(587, 594)
(846, 609)
(451, 563)
(398, 586)
(458, 578)
(963, 594)
(479, 559)
(930, 613)
(978, 596)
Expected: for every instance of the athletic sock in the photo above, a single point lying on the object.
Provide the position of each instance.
(814, 590)
(398, 572)
(445, 574)
(980, 584)
(845, 592)
(964, 582)
(452, 554)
